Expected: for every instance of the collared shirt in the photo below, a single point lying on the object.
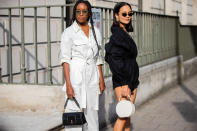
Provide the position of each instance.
(83, 55)
(74, 43)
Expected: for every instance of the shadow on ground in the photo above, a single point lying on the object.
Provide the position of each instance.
(188, 109)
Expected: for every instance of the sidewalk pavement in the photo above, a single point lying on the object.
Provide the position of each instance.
(172, 110)
(27, 121)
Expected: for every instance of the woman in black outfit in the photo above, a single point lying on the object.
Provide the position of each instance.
(121, 53)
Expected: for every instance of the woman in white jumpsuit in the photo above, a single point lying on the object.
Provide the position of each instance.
(81, 60)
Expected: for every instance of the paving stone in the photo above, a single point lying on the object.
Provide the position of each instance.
(168, 127)
(191, 128)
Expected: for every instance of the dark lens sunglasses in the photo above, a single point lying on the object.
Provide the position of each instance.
(84, 12)
(129, 14)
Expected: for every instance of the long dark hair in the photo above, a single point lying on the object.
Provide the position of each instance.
(89, 16)
(117, 7)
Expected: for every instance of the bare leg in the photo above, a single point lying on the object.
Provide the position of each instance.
(128, 122)
(120, 123)
(133, 95)
(127, 125)
(123, 124)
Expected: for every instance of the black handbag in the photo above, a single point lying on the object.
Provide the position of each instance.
(73, 118)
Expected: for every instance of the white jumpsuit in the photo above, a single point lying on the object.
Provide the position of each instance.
(83, 56)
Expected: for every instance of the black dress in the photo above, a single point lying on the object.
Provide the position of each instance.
(121, 53)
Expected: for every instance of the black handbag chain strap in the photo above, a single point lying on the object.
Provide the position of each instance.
(74, 101)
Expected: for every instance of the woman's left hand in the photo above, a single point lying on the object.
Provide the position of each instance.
(126, 91)
(102, 85)
(101, 79)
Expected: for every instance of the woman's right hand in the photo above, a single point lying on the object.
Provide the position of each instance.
(69, 89)
(70, 92)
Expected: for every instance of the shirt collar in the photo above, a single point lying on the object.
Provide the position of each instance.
(77, 27)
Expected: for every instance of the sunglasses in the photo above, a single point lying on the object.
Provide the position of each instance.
(84, 12)
(129, 14)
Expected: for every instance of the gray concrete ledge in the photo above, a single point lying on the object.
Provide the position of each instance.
(190, 67)
(30, 98)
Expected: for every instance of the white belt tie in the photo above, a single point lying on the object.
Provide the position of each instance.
(84, 83)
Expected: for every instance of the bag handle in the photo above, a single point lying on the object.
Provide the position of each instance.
(128, 97)
(74, 101)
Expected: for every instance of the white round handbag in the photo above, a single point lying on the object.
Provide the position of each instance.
(125, 108)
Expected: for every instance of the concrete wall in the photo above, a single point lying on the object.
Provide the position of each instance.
(195, 14)
(5, 3)
(36, 98)
(30, 98)
(190, 67)
(111, 3)
(186, 8)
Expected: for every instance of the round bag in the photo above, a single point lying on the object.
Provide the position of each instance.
(125, 108)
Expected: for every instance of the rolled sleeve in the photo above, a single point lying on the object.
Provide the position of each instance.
(100, 60)
(65, 48)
